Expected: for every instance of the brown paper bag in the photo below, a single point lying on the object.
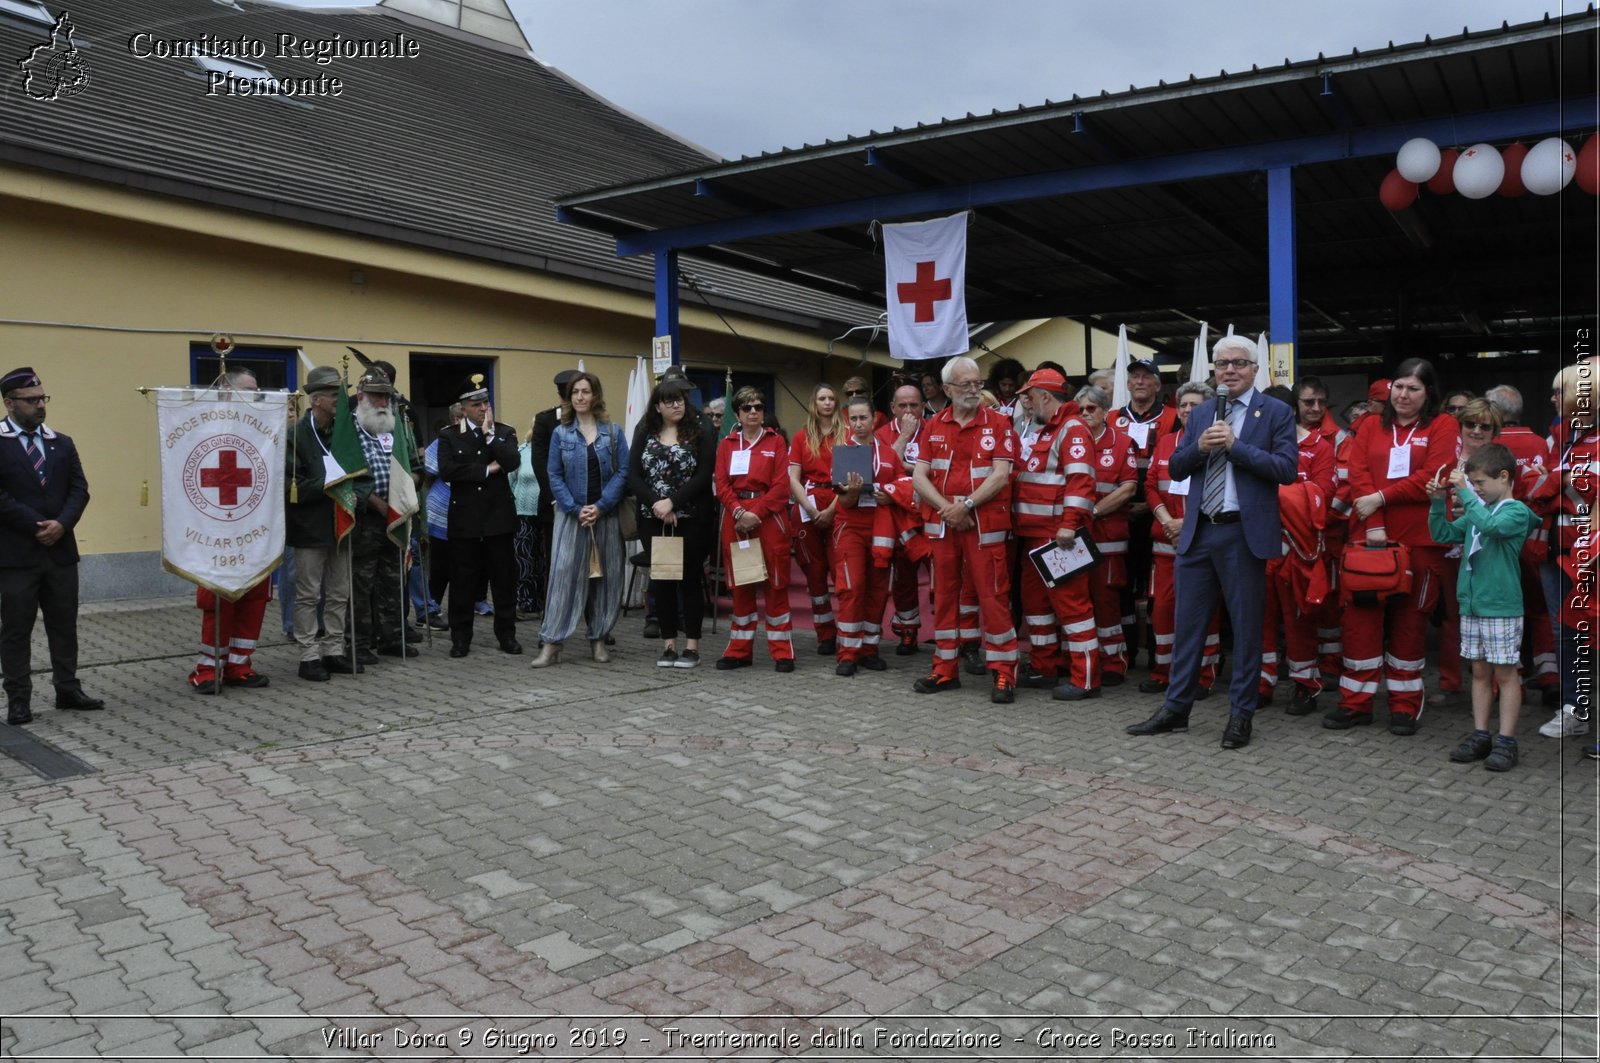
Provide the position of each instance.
(749, 563)
(596, 570)
(666, 557)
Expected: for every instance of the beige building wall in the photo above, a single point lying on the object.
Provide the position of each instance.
(1062, 340)
(106, 290)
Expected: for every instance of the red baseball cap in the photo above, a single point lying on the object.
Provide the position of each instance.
(1048, 379)
(1378, 390)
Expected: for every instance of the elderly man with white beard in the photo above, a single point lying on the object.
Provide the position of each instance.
(375, 579)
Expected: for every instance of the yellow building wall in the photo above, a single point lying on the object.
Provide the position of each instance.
(1063, 340)
(102, 304)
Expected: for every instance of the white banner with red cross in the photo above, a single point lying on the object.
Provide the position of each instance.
(222, 485)
(925, 276)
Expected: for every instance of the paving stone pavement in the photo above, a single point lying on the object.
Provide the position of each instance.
(465, 858)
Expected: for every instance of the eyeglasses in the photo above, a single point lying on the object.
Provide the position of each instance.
(754, 407)
(969, 385)
(1455, 411)
(1476, 426)
(1233, 363)
(37, 400)
(853, 394)
(679, 401)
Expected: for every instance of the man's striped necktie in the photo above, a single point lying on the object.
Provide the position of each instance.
(35, 452)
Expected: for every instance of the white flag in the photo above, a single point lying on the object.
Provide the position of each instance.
(925, 276)
(638, 396)
(222, 485)
(1119, 377)
(1263, 366)
(1200, 367)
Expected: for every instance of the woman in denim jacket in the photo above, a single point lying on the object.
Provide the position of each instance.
(588, 473)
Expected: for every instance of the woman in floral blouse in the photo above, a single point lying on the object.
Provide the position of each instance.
(670, 474)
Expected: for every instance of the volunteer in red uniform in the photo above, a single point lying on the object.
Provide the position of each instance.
(1393, 457)
(1053, 501)
(1168, 499)
(1145, 421)
(752, 482)
(1116, 479)
(900, 435)
(962, 470)
(229, 630)
(1538, 489)
(810, 484)
(1330, 635)
(1284, 606)
(861, 585)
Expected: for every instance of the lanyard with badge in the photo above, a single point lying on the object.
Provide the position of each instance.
(739, 460)
(1400, 453)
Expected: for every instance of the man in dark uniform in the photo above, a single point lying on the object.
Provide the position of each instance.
(321, 558)
(43, 493)
(475, 459)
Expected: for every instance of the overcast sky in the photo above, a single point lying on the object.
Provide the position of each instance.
(743, 76)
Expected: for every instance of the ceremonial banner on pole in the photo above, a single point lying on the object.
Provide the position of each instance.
(222, 485)
(925, 276)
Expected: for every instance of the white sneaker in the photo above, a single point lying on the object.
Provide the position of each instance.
(1565, 724)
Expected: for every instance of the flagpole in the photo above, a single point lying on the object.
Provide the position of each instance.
(401, 615)
(349, 560)
(216, 633)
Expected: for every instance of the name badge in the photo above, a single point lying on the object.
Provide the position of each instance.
(805, 514)
(386, 441)
(1179, 487)
(1399, 462)
(739, 463)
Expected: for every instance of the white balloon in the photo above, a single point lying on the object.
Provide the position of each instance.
(1549, 166)
(1418, 159)
(1479, 171)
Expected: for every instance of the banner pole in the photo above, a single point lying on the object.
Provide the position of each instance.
(349, 601)
(427, 586)
(216, 647)
(401, 614)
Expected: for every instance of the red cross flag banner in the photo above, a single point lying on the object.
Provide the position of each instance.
(925, 276)
(222, 485)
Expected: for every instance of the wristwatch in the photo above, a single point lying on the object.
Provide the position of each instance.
(969, 503)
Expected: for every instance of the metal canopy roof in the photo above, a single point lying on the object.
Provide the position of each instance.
(1149, 207)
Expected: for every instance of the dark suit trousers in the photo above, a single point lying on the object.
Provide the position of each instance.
(475, 563)
(1218, 558)
(24, 593)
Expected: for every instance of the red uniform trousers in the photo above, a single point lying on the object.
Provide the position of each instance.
(1106, 581)
(1300, 639)
(1387, 642)
(773, 535)
(1061, 625)
(966, 567)
(862, 588)
(1536, 628)
(907, 596)
(233, 631)
(812, 551)
(1450, 627)
(1164, 623)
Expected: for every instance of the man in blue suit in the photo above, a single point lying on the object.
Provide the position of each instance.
(42, 494)
(1235, 463)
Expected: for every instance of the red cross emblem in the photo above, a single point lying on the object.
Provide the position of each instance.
(227, 477)
(925, 292)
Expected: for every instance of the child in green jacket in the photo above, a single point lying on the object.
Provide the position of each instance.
(1491, 529)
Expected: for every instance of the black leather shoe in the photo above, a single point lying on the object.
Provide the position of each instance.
(1237, 734)
(1004, 691)
(786, 665)
(728, 664)
(1303, 703)
(460, 649)
(1112, 679)
(845, 668)
(1153, 686)
(438, 623)
(652, 628)
(1340, 719)
(873, 663)
(339, 665)
(365, 657)
(407, 650)
(18, 714)
(827, 647)
(250, 681)
(1035, 680)
(511, 646)
(1165, 721)
(1068, 692)
(1202, 693)
(77, 699)
(935, 683)
(205, 689)
(908, 645)
(972, 659)
(314, 671)
(1402, 725)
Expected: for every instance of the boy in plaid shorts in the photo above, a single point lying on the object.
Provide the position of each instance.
(1491, 530)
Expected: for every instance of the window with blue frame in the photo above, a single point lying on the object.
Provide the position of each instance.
(274, 367)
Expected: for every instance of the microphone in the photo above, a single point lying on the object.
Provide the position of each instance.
(1222, 403)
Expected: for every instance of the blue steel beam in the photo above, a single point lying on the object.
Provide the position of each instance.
(1529, 120)
(667, 301)
(1282, 283)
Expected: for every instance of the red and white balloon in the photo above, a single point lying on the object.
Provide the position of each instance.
(1549, 166)
(1479, 171)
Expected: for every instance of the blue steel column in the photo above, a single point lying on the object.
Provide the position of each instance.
(1284, 298)
(667, 301)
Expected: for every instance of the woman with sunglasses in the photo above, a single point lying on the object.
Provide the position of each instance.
(811, 487)
(1392, 458)
(752, 483)
(670, 475)
(1480, 424)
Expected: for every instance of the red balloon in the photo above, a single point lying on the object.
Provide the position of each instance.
(1396, 193)
(1444, 182)
(1589, 165)
(1511, 185)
